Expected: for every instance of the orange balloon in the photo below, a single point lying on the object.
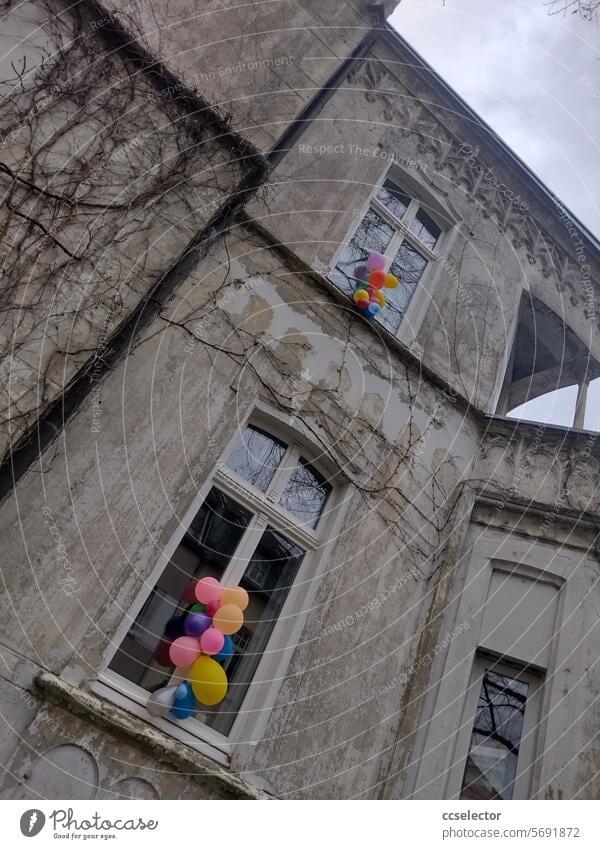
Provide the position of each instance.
(228, 619)
(235, 595)
(377, 278)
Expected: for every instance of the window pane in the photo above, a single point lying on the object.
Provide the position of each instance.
(268, 578)
(256, 457)
(392, 198)
(305, 493)
(373, 235)
(408, 267)
(425, 229)
(494, 750)
(206, 549)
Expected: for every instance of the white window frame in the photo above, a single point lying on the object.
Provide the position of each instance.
(416, 307)
(255, 707)
(527, 743)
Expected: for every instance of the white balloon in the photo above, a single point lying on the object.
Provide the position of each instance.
(161, 702)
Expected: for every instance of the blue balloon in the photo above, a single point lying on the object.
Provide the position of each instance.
(183, 707)
(226, 651)
(373, 308)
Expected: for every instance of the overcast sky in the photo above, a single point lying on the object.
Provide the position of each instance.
(535, 79)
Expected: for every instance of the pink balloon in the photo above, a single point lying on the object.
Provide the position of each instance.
(208, 589)
(375, 261)
(212, 641)
(184, 651)
(211, 608)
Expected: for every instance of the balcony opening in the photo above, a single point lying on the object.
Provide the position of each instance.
(551, 376)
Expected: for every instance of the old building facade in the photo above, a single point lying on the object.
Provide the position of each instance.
(189, 390)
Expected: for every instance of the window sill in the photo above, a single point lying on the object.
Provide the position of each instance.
(154, 740)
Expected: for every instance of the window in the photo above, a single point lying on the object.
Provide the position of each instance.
(500, 748)
(551, 376)
(399, 227)
(259, 520)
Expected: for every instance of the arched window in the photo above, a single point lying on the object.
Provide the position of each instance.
(262, 516)
(407, 232)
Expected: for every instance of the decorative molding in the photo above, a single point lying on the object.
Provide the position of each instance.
(458, 161)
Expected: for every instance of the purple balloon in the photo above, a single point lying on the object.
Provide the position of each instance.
(196, 624)
(361, 272)
(375, 261)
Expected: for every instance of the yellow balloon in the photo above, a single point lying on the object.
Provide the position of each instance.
(235, 595)
(361, 295)
(390, 281)
(208, 681)
(380, 298)
(228, 619)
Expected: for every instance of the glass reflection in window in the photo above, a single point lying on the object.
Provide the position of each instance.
(373, 235)
(206, 549)
(268, 578)
(393, 199)
(425, 229)
(491, 765)
(256, 457)
(305, 493)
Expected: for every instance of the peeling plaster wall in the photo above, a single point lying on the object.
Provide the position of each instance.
(259, 62)
(351, 691)
(506, 237)
(104, 185)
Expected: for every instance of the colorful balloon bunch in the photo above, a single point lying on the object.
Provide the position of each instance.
(197, 643)
(368, 297)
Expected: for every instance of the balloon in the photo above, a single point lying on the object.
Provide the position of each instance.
(212, 641)
(228, 619)
(391, 281)
(375, 261)
(160, 701)
(208, 589)
(174, 627)
(373, 309)
(235, 595)
(377, 278)
(379, 298)
(211, 608)
(184, 651)
(162, 653)
(189, 593)
(361, 295)
(185, 705)
(197, 608)
(208, 680)
(225, 652)
(196, 624)
(361, 272)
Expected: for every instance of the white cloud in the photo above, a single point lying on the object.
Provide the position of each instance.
(535, 79)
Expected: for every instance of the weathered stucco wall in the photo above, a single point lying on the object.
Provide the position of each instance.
(505, 236)
(245, 327)
(104, 184)
(260, 62)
